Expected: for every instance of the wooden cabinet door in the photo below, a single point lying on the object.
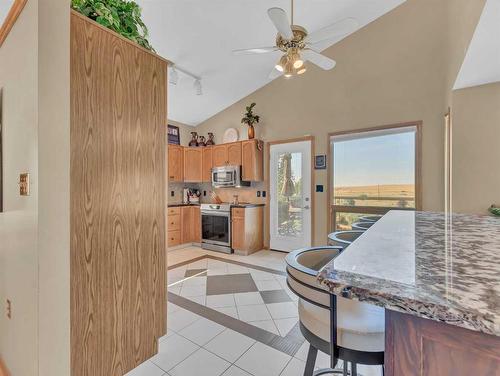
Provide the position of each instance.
(238, 233)
(191, 224)
(186, 224)
(175, 163)
(206, 175)
(219, 155)
(234, 154)
(193, 165)
(252, 160)
(196, 224)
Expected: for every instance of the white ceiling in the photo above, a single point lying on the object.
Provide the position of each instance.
(199, 35)
(5, 6)
(482, 61)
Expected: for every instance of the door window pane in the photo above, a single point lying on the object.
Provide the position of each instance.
(289, 194)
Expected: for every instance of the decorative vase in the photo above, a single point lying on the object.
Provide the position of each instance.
(251, 132)
(202, 141)
(194, 139)
(210, 140)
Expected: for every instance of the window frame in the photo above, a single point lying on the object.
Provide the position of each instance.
(333, 209)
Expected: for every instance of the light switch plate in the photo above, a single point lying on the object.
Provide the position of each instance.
(24, 184)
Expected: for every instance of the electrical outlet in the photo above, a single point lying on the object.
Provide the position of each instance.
(172, 193)
(258, 193)
(263, 193)
(9, 309)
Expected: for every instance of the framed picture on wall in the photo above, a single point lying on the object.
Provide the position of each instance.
(320, 162)
(174, 136)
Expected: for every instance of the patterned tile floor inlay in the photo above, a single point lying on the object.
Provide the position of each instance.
(231, 316)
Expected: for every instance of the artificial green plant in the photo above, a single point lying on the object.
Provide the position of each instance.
(121, 16)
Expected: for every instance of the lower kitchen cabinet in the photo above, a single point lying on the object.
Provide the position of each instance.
(247, 230)
(191, 224)
(184, 225)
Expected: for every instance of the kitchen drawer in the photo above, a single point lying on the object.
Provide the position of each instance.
(239, 212)
(174, 222)
(174, 238)
(174, 211)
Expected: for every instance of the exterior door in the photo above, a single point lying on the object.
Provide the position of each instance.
(290, 196)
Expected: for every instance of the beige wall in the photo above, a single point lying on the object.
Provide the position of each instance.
(396, 69)
(476, 150)
(54, 156)
(18, 224)
(185, 131)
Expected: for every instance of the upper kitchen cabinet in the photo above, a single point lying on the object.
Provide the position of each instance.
(219, 155)
(252, 153)
(234, 154)
(193, 165)
(227, 154)
(206, 174)
(175, 163)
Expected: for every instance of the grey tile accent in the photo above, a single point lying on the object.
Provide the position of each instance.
(187, 262)
(288, 345)
(196, 272)
(230, 284)
(275, 296)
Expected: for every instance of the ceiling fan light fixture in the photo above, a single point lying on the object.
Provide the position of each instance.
(302, 70)
(297, 64)
(282, 63)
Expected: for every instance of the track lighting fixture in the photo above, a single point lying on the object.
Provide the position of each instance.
(174, 76)
(197, 87)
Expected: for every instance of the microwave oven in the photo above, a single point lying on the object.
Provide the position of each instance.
(228, 177)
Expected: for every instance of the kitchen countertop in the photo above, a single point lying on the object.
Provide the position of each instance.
(181, 204)
(247, 205)
(242, 205)
(444, 268)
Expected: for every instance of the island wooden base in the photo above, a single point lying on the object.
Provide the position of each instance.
(416, 346)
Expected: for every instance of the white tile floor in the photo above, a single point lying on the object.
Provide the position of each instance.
(196, 346)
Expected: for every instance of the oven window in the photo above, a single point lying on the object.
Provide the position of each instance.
(215, 228)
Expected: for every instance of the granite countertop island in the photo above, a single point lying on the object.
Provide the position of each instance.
(443, 268)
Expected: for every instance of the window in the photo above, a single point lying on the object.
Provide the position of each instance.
(372, 172)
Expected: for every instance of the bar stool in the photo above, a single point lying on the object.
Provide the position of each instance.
(362, 226)
(348, 330)
(370, 218)
(344, 238)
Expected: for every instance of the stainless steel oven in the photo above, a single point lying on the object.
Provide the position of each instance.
(216, 227)
(228, 176)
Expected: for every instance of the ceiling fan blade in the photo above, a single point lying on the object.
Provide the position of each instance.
(338, 29)
(318, 59)
(280, 20)
(274, 74)
(258, 50)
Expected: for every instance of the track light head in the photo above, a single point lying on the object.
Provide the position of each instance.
(174, 76)
(197, 87)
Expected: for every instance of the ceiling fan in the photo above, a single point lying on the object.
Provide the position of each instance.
(297, 45)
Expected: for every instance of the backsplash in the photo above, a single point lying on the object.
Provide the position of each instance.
(248, 194)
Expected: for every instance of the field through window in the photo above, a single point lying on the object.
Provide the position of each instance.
(372, 172)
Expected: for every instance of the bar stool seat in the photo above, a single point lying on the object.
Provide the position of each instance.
(360, 326)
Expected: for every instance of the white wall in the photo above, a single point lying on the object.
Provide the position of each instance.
(18, 224)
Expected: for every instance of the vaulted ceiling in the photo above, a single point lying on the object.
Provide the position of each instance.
(199, 36)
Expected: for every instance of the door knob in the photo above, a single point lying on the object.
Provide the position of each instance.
(307, 207)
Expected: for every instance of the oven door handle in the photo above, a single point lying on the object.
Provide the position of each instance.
(215, 214)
